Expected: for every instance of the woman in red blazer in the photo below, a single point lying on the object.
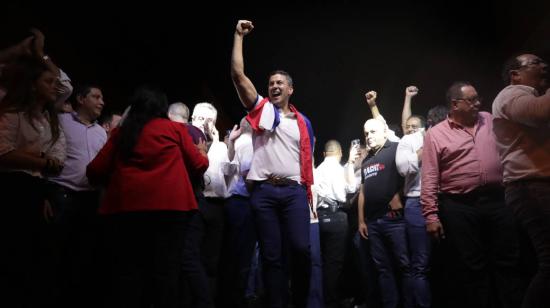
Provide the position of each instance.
(146, 166)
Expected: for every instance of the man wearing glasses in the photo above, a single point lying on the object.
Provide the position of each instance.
(463, 201)
(521, 123)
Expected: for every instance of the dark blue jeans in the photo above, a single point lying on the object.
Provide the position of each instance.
(388, 246)
(530, 201)
(419, 249)
(315, 299)
(282, 221)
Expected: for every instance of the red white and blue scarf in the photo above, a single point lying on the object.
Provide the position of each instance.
(265, 116)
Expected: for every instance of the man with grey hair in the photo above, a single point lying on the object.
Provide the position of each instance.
(211, 203)
(381, 214)
(178, 112)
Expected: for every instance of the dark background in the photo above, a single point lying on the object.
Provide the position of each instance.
(335, 50)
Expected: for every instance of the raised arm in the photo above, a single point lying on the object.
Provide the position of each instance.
(235, 133)
(371, 101)
(529, 110)
(246, 90)
(410, 92)
(13, 52)
(38, 50)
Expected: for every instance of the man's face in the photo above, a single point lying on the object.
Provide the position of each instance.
(375, 134)
(412, 125)
(92, 103)
(279, 90)
(469, 103)
(201, 117)
(533, 72)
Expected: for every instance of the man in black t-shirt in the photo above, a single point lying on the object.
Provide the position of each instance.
(380, 214)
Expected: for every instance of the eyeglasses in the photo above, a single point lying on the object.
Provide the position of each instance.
(472, 100)
(537, 61)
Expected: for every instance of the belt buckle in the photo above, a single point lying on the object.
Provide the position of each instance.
(277, 181)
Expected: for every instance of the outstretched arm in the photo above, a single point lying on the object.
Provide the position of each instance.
(243, 85)
(11, 53)
(38, 50)
(371, 101)
(410, 92)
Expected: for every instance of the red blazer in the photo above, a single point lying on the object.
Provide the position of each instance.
(156, 177)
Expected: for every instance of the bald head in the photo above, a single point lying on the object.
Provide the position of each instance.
(178, 112)
(375, 133)
(333, 148)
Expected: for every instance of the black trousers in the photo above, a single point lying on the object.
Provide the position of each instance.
(333, 226)
(146, 251)
(202, 250)
(25, 274)
(483, 234)
(76, 246)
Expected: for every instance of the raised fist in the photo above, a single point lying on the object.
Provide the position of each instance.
(244, 27)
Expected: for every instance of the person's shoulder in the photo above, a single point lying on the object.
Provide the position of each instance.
(407, 138)
(65, 116)
(485, 115)
(162, 124)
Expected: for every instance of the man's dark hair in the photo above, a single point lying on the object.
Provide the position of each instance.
(284, 73)
(396, 129)
(437, 114)
(84, 89)
(81, 91)
(455, 91)
(420, 118)
(510, 64)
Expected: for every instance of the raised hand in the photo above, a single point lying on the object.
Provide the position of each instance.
(371, 98)
(38, 43)
(235, 133)
(244, 27)
(212, 131)
(24, 47)
(354, 153)
(201, 146)
(411, 91)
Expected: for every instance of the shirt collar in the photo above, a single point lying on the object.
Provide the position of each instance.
(331, 160)
(77, 119)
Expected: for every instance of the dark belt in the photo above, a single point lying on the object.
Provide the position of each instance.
(277, 181)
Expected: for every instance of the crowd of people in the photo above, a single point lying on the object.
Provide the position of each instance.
(154, 208)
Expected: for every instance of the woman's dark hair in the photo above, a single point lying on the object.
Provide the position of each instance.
(146, 103)
(19, 80)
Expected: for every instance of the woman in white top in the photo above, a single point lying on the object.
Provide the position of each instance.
(31, 145)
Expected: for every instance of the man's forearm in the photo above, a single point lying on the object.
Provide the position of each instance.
(406, 113)
(237, 61)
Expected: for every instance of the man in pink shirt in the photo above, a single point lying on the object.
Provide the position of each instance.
(463, 201)
(522, 119)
